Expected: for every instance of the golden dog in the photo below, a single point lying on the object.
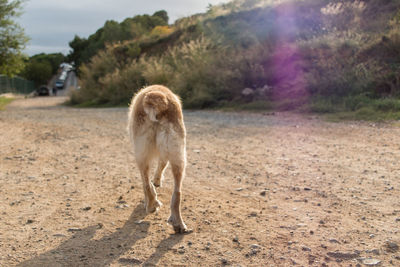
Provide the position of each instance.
(157, 130)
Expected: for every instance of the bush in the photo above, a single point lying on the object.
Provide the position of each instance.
(93, 74)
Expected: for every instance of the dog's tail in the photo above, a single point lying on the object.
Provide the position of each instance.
(131, 119)
(155, 103)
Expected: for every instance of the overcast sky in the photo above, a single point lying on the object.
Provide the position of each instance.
(52, 24)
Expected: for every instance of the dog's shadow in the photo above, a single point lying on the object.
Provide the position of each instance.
(82, 250)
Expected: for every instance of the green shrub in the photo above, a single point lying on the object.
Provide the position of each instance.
(322, 105)
(356, 102)
(387, 104)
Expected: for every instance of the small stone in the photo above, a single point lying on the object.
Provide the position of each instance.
(223, 261)
(307, 189)
(74, 229)
(255, 249)
(87, 208)
(263, 193)
(181, 250)
(374, 251)
(397, 219)
(391, 246)
(304, 248)
(253, 214)
(59, 235)
(29, 221)
(235, 239)
(255, 246)
(343, 255)
(239, 189)
(130, 261)
(332, 240)
(371, 262)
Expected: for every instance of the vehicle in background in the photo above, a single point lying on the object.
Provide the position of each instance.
(43, 90)
(59, 84)
(66, 67)
(63, 76)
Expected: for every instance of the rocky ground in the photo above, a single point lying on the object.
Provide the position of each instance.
(260, 190)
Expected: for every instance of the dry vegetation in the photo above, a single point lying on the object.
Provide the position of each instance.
(316, 55)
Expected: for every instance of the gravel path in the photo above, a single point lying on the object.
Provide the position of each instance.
(260, 190)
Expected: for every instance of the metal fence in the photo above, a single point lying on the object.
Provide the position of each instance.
(15, 85)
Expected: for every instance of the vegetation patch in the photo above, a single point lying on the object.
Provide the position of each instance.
(360, 108)
(4, 101)
(309, 55)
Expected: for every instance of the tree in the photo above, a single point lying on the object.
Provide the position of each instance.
(39, 72)
(77, 55)
(12, 38)
(41, 67)
(162, 14)
(83, 49)
(54, 60)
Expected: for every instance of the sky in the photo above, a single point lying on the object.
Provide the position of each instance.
(51, 24)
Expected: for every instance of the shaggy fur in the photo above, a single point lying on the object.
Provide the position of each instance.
(157, 131)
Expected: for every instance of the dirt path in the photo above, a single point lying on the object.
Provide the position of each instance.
(260, 190)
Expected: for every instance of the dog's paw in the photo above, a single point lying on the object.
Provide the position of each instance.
(157, 181)
(182, 230)
(179, 227)
(153, 206)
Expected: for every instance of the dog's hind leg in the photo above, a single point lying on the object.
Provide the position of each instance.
(159, 174)
(178, 169)
(151, 202)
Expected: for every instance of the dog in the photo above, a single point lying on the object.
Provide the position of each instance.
(157, 131)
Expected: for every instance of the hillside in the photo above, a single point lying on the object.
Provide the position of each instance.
(317, 55)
